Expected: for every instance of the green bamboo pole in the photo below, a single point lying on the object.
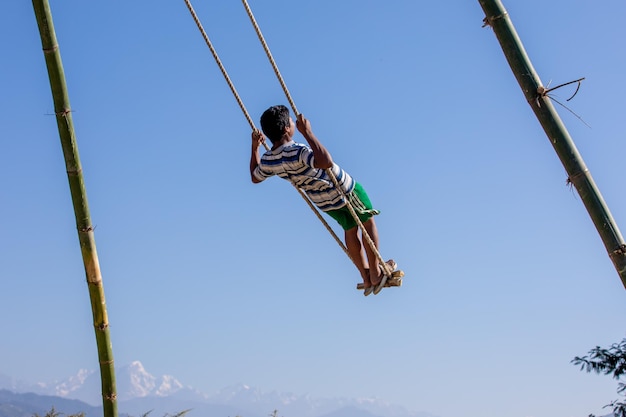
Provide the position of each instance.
(535, 93)
(79, 200)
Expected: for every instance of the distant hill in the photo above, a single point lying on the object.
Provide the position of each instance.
(140, 392)
(28, 404)
(350, 412)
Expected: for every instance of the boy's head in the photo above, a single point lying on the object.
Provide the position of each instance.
(275, 121)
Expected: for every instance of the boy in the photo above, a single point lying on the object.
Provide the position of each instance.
(305, 167)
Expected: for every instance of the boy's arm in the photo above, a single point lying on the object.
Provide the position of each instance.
(321, 157)
(255, 159)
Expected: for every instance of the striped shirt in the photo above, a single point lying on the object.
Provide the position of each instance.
(294, 162)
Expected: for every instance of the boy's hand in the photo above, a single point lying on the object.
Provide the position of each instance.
(303, 125)
(257, 139)
(255, 159)
(321, 155)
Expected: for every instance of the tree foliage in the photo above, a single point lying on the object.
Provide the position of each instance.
(611, 361)
(54, 413)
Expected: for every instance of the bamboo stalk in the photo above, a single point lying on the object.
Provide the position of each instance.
(85, 229)
(535, 93)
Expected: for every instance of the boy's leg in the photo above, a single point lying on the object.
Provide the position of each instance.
(372, 231)
(353, 244)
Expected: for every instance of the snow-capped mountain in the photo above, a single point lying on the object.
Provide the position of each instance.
(139, 392)
(133, 381)
(72, 384)
(291, 404)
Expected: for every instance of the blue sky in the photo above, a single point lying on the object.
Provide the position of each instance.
(217, 281)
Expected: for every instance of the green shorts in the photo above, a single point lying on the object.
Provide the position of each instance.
(362, 205)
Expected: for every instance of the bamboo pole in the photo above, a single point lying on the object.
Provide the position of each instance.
(79, 200)
(536, 95)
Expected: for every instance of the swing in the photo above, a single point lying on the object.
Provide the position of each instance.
(393, 278)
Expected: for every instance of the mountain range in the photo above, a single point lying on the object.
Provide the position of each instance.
(139, 392)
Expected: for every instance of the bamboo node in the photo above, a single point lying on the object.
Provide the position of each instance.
(64, 112)
(570, 181)
(87, 229)
(577, 175)
(102, 326)
(621, 251)
(110, 396)
(488, 21)
(74, 172)
(52, 49)
(543, 92)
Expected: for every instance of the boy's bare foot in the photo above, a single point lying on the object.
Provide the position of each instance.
(376, 280)
(382, 271)
(365, 276)
(379, 283)
(368, 288)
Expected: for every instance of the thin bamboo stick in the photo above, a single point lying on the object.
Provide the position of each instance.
(578, 173)
(85, 229)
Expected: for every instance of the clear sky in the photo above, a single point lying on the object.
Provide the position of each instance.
(216, 281)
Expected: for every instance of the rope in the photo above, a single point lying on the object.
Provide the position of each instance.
(324, 222)
(219, 64)
(249, 119)
(329, 171)
(270, 57)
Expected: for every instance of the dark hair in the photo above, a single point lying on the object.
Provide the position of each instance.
(274, 121)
